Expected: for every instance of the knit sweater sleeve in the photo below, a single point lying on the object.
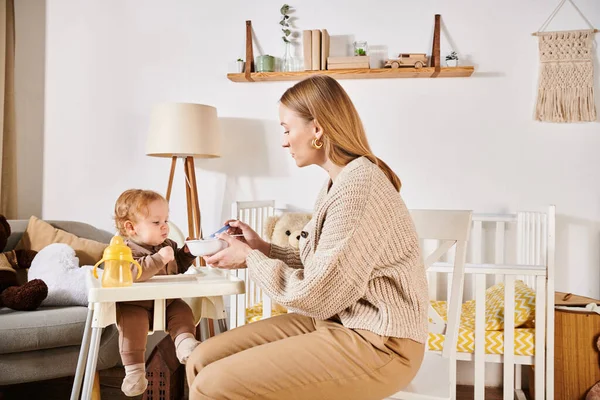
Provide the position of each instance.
(288, 255)
(337, 275)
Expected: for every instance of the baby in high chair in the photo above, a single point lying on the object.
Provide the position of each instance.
(141, 217)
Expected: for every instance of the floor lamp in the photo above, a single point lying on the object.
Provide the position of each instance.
(185, 131)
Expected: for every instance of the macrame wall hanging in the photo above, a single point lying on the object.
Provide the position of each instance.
(566, 81)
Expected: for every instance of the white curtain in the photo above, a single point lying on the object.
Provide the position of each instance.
(8, 138)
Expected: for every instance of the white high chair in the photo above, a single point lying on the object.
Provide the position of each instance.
(204, 292)
(436, 379)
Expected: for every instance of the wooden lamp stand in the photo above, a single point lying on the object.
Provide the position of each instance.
(193, 206)
(191, 189)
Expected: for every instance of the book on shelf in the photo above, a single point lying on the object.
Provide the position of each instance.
(355, 62)
(315, 49)
(307, 49)
(324, 48)
(348, 66)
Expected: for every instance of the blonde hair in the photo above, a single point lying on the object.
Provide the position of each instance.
(132, 204)
(322, 99)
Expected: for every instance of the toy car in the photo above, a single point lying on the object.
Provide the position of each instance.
(416, 60)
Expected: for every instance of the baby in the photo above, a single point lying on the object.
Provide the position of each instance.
(141, 217)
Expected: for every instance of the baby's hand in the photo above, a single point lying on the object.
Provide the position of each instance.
(167, 254)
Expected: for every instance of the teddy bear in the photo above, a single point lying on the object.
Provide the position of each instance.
(28, 296)
(283, 230)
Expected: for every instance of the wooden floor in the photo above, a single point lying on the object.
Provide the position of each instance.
(110, 383)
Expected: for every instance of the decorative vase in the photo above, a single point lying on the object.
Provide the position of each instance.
(240, 66)
(452, 63)
(287, 64)
(265, 63)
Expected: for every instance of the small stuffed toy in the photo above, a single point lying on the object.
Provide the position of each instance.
(26, 297)
(594, 393)
(285, 230)
(68, 283)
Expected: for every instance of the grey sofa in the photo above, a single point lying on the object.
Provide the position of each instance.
(44, 344)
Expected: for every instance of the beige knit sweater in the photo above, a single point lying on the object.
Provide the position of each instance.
(360, 259)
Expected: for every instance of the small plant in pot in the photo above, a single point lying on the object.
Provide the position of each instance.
(287, 64)
(452, 59)
(240, 65)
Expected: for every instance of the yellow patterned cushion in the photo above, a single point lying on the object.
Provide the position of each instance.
(255, 312)
(467, 314)
(494, 306)
(494, 341)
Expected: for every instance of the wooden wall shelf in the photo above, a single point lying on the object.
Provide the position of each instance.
(381, 73)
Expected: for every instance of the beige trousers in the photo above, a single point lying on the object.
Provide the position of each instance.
(295, 357)
(133, 322)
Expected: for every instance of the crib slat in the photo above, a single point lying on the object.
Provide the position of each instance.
(259, 220)
(520, 238)
(233, 306)
(540, 334)
(550, 262)
(538, 239)
(544, 239)
(534, 219)
(509, 337)
(241, 300)
(525, 238)
(480, 284)
(476, 240)
(266, 307)
(499, 250)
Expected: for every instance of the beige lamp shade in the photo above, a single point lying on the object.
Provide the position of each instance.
(184, 129)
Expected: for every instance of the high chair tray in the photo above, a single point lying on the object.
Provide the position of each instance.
(207, 282)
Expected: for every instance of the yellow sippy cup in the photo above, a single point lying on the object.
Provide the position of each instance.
(117, 259)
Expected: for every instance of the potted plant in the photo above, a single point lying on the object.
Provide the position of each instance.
(360, 48)
(240, 65)
(452, 59)
(286, 62)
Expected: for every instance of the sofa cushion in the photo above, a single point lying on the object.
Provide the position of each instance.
(44, 328)
(40, 234)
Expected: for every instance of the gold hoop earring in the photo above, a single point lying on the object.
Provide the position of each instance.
(316, 143)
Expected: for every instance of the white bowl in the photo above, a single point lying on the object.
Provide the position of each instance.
(205, 247)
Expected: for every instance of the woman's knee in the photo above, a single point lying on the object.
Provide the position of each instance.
(203, 355)
(211, 382)
(196, 362)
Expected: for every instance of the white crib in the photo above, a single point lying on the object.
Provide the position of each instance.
(502, 248)
(507, 248)
(253, 213)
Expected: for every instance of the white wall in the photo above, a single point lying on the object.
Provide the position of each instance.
(456, 143)
(30, 45)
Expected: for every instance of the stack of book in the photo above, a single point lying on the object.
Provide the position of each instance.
(315, 49)
(356, 62)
